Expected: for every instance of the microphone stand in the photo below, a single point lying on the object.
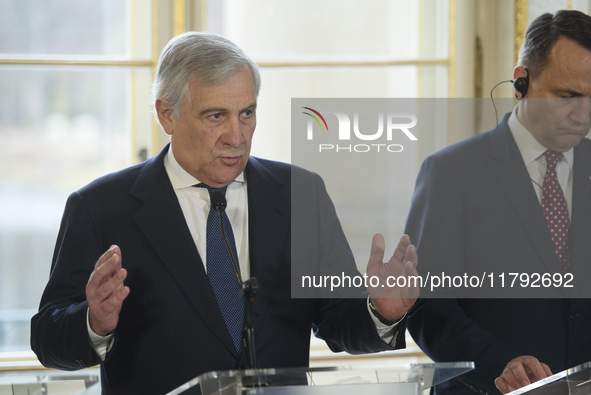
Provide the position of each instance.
(248, 290)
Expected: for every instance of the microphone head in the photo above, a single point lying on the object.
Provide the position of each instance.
(218, 201)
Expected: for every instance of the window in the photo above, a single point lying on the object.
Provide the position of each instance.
(75, 78)
(76, 75)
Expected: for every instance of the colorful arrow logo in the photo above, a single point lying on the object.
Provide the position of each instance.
(316, 119)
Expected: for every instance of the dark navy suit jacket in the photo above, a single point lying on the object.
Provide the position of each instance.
(475, 207)
(170, 328)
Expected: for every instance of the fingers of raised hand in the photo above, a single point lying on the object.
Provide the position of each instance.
(376, 257)
(105, 291)
(411, 255)
(105, 283)
(107, 267)
(400, 251)
(110, 288)
(406, 267)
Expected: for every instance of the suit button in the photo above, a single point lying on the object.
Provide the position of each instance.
(574, 316)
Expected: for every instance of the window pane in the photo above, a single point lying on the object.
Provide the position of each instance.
(582, 5)
(317, 30)
(535, 8)
(60, 128)
(74, 27)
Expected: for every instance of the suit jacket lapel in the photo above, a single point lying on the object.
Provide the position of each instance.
(269, 220)
(162, 221)
(514, 178)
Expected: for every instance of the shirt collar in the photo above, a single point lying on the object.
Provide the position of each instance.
(179, 178)
(529, 147)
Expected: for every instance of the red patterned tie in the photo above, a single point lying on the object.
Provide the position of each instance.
(555, 209)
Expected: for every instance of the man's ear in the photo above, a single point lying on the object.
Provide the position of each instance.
(520, 81)
(519, 72)
(165, 116)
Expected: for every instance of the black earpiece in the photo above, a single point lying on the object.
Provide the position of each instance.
(521, 85)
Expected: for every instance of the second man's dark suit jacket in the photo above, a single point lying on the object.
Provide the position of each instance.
(475, 207)
(170, 328)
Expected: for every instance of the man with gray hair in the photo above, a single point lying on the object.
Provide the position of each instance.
(140, 281)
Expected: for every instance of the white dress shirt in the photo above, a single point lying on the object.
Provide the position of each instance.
(535, 161)
(195, 203)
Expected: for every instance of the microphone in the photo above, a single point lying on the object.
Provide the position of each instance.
(219, 203)
(248, 288)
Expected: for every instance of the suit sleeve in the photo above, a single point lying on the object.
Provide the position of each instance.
(59, 333)
(440, 326)
(344, 323)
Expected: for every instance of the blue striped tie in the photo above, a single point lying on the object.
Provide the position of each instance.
(220, 272)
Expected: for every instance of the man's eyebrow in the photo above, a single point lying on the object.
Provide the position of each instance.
(214, 110)
(253, 106)
(570, 92)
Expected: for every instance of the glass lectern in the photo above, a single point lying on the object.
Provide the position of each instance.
(50, 382)
(573, 381)
(397, 380)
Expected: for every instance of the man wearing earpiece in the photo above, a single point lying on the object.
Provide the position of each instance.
(514, 199)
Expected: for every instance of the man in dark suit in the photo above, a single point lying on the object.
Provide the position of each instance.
(483, 203)
(136, 285)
